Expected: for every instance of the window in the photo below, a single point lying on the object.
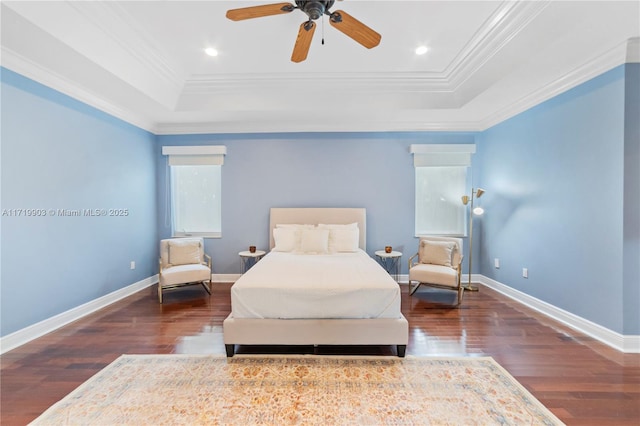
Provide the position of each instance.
(195, 200)
(196, 190)
(441, 177)
(439, 209)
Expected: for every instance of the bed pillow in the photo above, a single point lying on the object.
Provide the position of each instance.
(295, 226)
(338, 226)
(342, 238)
(314, 241)
(286, 239)
(184, 252)
(436, 252)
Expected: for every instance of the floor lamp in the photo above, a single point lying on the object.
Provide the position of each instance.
(478, 211)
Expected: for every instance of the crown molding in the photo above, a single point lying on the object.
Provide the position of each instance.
(137, 42)
(633, 50)
(103, 33)
(246, 124)
(393, 81)
(488, 38)
(590, 69)
(163, 82)
(618, 55)
(596, 66)
(30, 69)
(504, 24)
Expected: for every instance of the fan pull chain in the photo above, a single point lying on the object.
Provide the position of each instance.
(323, 30)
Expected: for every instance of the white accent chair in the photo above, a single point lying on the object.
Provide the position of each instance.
(437, 264)
(183, 262)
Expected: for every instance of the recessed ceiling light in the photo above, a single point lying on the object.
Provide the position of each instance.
(211, 51)
(421, 50)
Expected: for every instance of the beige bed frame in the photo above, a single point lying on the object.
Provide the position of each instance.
(378, 331)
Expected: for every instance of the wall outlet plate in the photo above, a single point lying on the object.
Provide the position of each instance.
(496, 263)
(525, 273)
(133, 265)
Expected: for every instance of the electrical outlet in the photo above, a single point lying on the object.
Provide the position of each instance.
(133, 265)
(496, 263)
(525, 273)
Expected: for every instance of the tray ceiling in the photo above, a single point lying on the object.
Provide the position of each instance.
(144, 61)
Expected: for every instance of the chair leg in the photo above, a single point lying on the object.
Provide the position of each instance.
(159, 293)
(413, 290)
(207, 286)
(460, 294)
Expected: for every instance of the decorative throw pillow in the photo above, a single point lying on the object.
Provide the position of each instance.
(286, 239)
(184, 252)
(342, 238)
(436, 252)
(314, 241)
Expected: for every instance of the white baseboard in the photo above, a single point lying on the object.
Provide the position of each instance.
(623, 343)
(27, 334)
(225, 278)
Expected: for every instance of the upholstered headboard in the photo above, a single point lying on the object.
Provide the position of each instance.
(314, 216)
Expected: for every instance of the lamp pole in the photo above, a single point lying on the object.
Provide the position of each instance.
(465, 200)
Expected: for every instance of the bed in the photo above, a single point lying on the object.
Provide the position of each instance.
(329, 297)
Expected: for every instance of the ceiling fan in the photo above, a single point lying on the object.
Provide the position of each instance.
(314, 9)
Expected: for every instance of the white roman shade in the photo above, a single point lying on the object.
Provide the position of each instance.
(211, 155)
(441, 155)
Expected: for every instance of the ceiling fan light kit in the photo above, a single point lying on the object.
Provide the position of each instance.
(314, 9)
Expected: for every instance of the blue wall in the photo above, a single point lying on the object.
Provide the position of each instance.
(562, 197)
(371, 170)
(555, 201)
(58, 153)
(631, 273)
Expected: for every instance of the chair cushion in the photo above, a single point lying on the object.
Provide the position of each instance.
(184, 252)
(184, 274)
(436, 252)
(434, 274)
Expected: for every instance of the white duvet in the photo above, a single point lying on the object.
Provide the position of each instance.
(342, 285)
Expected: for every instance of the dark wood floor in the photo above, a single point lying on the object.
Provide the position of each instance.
(581, 381)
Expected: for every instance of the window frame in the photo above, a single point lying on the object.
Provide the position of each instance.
(446, 157)
(197, 156)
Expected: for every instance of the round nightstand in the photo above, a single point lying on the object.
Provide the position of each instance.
(390, 262)
(248, 259)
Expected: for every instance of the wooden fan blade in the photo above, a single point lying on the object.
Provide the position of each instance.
(355, 29)
(259, 11)
(303, 41)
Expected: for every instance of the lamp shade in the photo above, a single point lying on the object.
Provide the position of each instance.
(479, 192)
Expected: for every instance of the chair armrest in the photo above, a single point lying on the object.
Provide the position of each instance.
(208, 259)
(411, 263)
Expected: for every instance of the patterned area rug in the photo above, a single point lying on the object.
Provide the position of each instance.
(297, 390)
